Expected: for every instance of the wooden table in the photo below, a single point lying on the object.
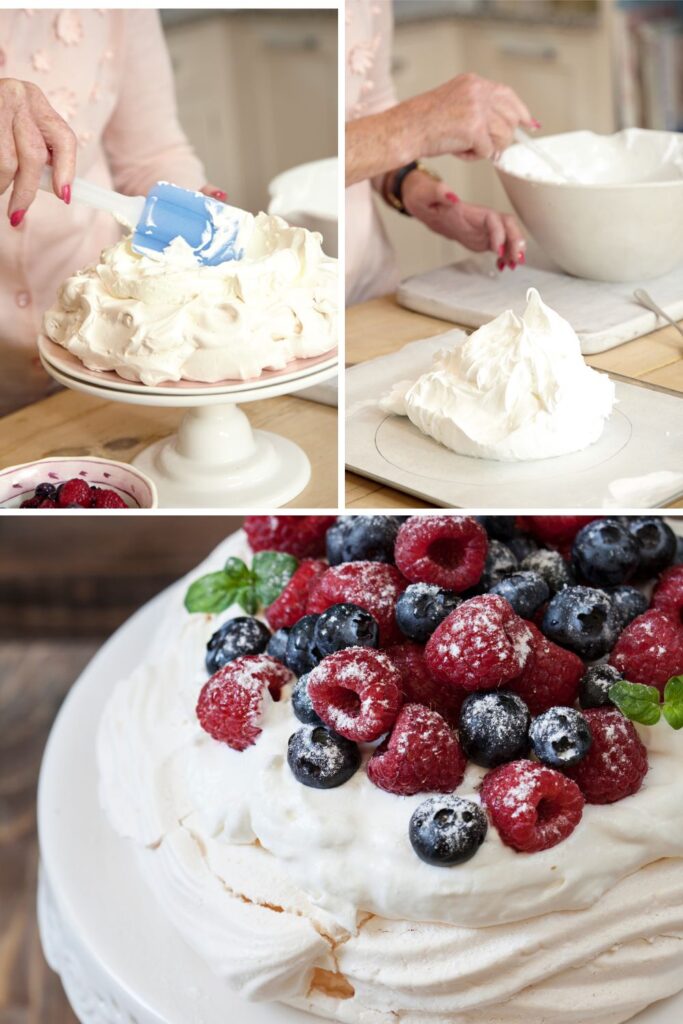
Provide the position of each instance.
(381, 326)
(71, 423)
(33, 681)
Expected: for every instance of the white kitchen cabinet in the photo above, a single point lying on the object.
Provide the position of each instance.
(257, 94)
(563, 74)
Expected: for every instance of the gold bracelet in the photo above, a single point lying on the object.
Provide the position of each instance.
(394, 196)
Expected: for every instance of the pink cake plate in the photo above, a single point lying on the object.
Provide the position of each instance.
(215, 460)
(103, 931)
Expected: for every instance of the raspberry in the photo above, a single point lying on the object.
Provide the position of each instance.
(373, 586)
(231, 704)
(357, 692)
(449, 551)
(421, 755)
(667, 596)
(650, 650)
(290, 606)
(46, 503)
(105, 498)
(481, 645)
(532, 806)
(616, 763)
(74, 492)
(559, 531)
(550, 677)
(301, 536)
(31, 503)
(418, 686)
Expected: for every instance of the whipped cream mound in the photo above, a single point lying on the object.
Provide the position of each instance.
(170, 319)
(515, 389)
(316, 898)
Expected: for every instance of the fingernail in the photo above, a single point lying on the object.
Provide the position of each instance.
(521, 257)
(452, 198)
(501, 250)
(66, 194)
(536, 124)
(218, 194)
(511, 264)
(17, 217)
(500, 264)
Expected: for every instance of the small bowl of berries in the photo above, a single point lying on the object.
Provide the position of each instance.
(75, 483)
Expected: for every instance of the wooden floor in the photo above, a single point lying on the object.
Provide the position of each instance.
(34, 679)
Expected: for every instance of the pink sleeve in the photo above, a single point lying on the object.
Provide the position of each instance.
(143, 139)
(380, 87)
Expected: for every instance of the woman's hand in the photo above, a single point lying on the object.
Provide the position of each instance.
(468, 116)
(32, 134)
(475, 227)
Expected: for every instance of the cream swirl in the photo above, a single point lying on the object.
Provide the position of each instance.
(517, 388)
(316, 897)
(170, 319)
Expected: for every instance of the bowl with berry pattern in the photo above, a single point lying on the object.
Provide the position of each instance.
(83, 482)
(340, 769)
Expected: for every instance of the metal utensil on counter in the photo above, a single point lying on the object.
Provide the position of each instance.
(645, 299)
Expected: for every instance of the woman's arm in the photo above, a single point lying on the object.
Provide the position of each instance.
(143, 140)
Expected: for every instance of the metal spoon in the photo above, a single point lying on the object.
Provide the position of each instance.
(523, 139)
(645, 299)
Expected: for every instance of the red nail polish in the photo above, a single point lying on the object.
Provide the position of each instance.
(218, 194)
(500, 264)
(521, 258)
(66, 194)
(536, 124)
(501, 250)
(17, 217)
(452, 198)
(511, 264)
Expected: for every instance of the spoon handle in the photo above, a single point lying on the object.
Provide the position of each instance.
(645, 299)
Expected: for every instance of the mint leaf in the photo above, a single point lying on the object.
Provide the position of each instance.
(236, 571)
(212, 593)
(637, 702)
(272, 571)
(673, 702)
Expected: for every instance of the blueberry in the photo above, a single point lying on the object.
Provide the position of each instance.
(301, 703)
(604, 553)
(334, 539)
(321, 759)
(656, 544)
(345, 625)
(277, 645)
(595, 686)
(560, 737)
(525, 591)
(46, 492)
(421, 608)
(493, 727)
(301, 654)
(447, 830)
(369, 539)
(236, 638)
(498, 527)
(584, 620)
(500, 562)
(551, 566)
(628, 602)
(678, 560)
(522, 546)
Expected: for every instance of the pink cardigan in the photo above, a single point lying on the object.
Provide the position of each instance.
(108, 74)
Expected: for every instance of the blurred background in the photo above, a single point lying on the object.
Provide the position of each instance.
(66, 583)
(257, 96)
(600, 65)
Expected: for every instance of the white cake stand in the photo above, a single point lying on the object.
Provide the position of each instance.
(119, 958)
(216, 459)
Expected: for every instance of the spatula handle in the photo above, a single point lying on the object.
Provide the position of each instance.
(126, 208)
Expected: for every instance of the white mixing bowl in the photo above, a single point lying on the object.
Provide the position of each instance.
(621, 219)
(307, 196)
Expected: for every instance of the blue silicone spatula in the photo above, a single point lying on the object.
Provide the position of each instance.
(211, 229)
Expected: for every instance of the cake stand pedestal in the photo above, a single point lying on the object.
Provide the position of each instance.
(216, 459)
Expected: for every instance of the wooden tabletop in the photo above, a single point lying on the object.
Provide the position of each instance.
(381, 326)
(34, 678)
(71, 423)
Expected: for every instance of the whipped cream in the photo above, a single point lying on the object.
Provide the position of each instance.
(170, 319)
(516, 389)
(317, 899)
